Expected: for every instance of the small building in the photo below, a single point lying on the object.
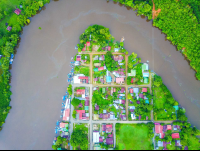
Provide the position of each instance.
(136, 90)
(146, 80)
(109, 128)
(133, 116)
(131, 90)
(66, 115)
(177, 143)
(160, 143)
(86, 108)
(96, 137)
(109, 141)
(145, 67)
(133, 73)
(101, 68)
(96, 117)
(144, 89)
(119, 80)
(147, 101)
(108, 79)
(17, 11)
(102, 57)
(80, 91)
(97, 64)
(116, 49)
(145, 74)
(88, 44)
(9, 28)
(80, 113)
(96, 107)
(176, 107)
(158, 129)
(175, 135)
(78, 58)
(103, 127)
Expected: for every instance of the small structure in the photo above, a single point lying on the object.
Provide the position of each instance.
(86, 108)
(160, 143)
(109, 141)
(133, 73)
(177, 143)
(103, 128)
(9, 28)
(96, 107)
(66, 115)
(144, 89)
(131, 90)
(145, 74)
(78, 58)
(80, 113)
(119, 80)
(136, 90)
(175, 135)
(88, 44)
(96, 137)
(145, 67)
(109, 128)
(108, 79)
(80, 91)
(96, 117)
(101, 68)
(17, 11)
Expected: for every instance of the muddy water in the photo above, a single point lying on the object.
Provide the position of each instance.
(39, 71)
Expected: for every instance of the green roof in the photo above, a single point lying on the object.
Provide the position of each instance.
(95, 69)
(103, 90)
(59, 149)
(145, 80)
(176, 107)
(143, 67)
(147, 101)
(86, 108)
(133, 72)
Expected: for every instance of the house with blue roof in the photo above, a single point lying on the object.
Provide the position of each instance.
(147, 101)
(108, 79)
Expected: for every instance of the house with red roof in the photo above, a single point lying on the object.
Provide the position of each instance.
(66, 115)
(80, 113)
(80, 91)
(101, 68)
(109, 128)
(119, 80)
(88, 44)
(131, 90)
(159, 130)
(175, 135)
(144, 89)
(17, 11)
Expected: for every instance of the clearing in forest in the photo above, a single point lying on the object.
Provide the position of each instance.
(155, 12)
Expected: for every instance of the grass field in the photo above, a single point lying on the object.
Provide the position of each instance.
(133, 137)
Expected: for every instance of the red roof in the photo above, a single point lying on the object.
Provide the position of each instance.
(108, 126)
(80, 91)
(162, 135)
(88, 43)
(17, 11)
(175, 135)
(131, 80)
(131, 90)
(158, 128)
(101, 68)
(144, 89)
(80, 113)
(66, 114)
(119, 80)
(169, 127)
(82, 77)
(109, 48)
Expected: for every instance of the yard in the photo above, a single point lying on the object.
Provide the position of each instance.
(133, 137)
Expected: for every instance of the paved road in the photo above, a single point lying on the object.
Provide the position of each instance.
(90, 121)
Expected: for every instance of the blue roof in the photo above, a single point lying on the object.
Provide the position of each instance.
(147, 101)
(108, 79)
(176, 107)
(145, 74)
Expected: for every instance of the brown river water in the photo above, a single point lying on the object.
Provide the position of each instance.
(41, 64)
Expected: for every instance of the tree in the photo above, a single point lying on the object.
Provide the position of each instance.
(129, 96)
(157, 80)
(74, 114)
(75, 102)
(69, 89)
(54, 147)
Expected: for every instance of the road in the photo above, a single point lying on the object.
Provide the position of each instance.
(90, 121)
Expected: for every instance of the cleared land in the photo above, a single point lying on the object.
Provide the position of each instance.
(133, 137)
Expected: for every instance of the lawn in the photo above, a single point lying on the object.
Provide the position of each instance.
(133, 137)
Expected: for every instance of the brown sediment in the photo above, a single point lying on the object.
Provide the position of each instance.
(155, 12)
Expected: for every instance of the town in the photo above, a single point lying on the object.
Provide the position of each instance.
(110, 95)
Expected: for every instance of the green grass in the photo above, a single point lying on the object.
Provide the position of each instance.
(133, 137)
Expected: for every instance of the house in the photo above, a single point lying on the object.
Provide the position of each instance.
(160, 143)
(116, 49)
(119, 80)
(101, 68)
(104, 111)
(147, 101)
(96, 137)
(66, 115)
(158, 129)
(133, 73)
(110, 135)
(80, 105)
(103, 90)
(96, 117)
(96, 57)
(177, 143)
(175, 135)
(63, 125)
(86, 108)
(176, 107)
(9, 28)
(102, 57)
(100, 139)
(83, 78)
(84, 47)
(115, 105)
(77, 63)
(96, 107)
(122, 102)
(176, 127)
(103, 128)
(122, 90)
(136, 90)
(97, 147)
(146, 80)
(109, 141)
(109, 128)
(131, 90)
(80, 91)
(112, 117)
(133, 116)
(145, 74)
(87, 103)
(108, 79)
(78, 58)
(141, 95)
(88, 44)
(145, 67)
(109, 48)
(80, 112)
(169, 127)
(144, 89)
(17, 11)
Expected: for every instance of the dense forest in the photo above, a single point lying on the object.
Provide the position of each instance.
(178, 19)
(8, 42)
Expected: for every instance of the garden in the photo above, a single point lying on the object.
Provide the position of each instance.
(134, 136)
(109, 103)
(79, 137)
(140, 104)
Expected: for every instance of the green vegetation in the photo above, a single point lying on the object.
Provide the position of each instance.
(69, 89)
(111, 64)
(86, 57)
(74, 114)
(163, 100)
(134, 136)
(181, 28)
(75, 102)
(79, 137)
(8, 42)
(82, 70)
(60, 143)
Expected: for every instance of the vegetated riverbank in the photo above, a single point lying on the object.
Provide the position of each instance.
(181, 28)
(10, 26)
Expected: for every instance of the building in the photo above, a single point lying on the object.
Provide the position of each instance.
(145, 74)
(175, 135)
(97, 64)
(145, 67)
(9, 28)
(119, 80)
(95, 137)
(102, 57)
(109, 128)
(78, 58)
(131, 90)
(133, 73)
(144, 89)
(116, 49)
(80, 114)
(17, 11)
(136, 90)
(109, 141)
(80, 91)
(101, 68)
(108, 79)
(146, 80)
(66, 115)
(88, 44)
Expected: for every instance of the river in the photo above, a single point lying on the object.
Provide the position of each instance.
(41, 64)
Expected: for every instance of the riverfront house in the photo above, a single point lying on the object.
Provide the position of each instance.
(17, 11)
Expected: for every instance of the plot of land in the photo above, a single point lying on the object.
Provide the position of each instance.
(133, 137)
